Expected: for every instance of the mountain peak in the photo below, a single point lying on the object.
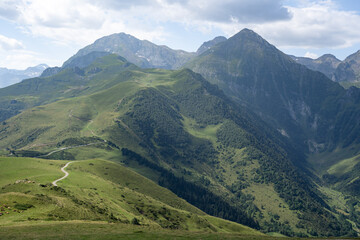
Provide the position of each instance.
(209, 44)
(327, 56)
(140, 52)
(246, 35)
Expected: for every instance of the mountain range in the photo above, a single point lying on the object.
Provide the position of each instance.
(339, 71)
(240, 130)
(11, 76)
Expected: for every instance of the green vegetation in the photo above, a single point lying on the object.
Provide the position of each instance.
(347, 85)
(103, 192)
(101, 230)
(174, 128)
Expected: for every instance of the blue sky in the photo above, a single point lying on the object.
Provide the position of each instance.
(43, 31)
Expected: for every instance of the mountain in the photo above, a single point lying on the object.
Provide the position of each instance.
(67, 82)
(180, 131)
(326, 64)
(11, 76)
(209, 44)
(140, 52)
(346, 72)
(315, 114)
(349, 69)
(303, 105)
(81, 61)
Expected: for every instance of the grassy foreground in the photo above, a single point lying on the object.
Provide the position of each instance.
(103, 230)
(98, 200)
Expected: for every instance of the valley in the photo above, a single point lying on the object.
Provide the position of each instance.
(239, 143)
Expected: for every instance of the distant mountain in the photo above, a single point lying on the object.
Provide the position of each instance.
(140, 52)
(11, 76)
(326, 64)
(57, 83)
(209, 44)
(347, 72)
(349, 69)
(81, 61)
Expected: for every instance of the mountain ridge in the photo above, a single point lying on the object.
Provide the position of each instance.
(174, 126)
(140, 52)
(12, 76)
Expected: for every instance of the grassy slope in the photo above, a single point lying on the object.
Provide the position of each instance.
(339, 169)
(95, 190)
(101, 230)
(44, 129)
(95, 116)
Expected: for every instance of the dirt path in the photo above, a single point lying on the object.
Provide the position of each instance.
(65, 148)
(88, 127)
(64, 171)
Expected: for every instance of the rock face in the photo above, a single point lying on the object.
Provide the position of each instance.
(338, 71)
(304, 105)
(326, 64)
(140, 52)
(209, 44)
(11, 76)
(349, 69)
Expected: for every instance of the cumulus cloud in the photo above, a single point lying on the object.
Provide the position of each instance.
(317, 24)
(59, 19)
(245, 11)
(312, 24)
(7, 44)
(9, 9)
(120, 5)
(21, 59)
(311, 55)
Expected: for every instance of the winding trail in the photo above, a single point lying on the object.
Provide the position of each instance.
(64, 171)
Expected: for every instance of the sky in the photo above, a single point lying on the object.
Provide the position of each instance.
(50, 31)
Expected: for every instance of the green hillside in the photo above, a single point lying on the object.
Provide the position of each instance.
(316, 115)
(70, 82)
(180, 131)
(98, 191)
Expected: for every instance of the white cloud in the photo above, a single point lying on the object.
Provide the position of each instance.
(246, 11)
(7, 44)
(311, 24)
(311, 55)
(83, 21)
(9, 9)
(20, 59)
(318, 24)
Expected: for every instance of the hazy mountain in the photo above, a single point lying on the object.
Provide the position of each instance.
(140, 52)
(349, 69)
(326, 64)
(209, 44)
(347, 72)
(11, 76)
(81, 61)
(60, 83)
